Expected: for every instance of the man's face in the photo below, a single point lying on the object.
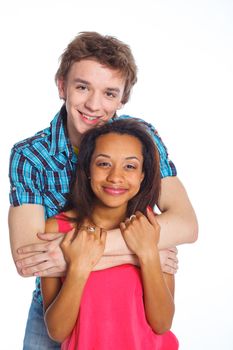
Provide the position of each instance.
(92, 94)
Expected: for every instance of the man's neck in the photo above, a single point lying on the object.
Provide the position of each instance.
(74, 137)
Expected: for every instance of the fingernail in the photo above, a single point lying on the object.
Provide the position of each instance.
(19, 251)
(18, 264)
(149, 208)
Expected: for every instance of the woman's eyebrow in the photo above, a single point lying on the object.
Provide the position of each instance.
(102, 155)
(107, 156)
(132, 157)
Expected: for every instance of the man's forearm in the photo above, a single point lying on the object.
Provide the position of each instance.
(24, 223)
(116, 252)
(116, 260)
(178, 220)
(176, 229)
(115, 244)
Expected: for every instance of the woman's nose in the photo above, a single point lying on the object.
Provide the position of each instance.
(115, 175)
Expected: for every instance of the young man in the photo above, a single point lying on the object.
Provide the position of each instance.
(95, 78)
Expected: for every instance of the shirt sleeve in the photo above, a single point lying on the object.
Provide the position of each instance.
(25, 186)
(167, 167)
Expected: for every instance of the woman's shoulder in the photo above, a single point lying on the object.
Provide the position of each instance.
(51, 225)
(60, 222)
(70, 214)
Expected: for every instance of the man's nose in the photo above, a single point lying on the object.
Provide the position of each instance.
(93, 102)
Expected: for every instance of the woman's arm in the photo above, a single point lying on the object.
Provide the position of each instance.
(158, 291)
(58, 300)
(62, 300)
(142, 236)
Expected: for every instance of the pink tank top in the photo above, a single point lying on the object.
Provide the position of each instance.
(112, 314)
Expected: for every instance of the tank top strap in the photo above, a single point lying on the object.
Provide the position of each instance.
(64, 225)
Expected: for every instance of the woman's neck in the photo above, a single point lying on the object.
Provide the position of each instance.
(108, 218)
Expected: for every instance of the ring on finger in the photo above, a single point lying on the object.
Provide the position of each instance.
(91, 229)
(132, 217)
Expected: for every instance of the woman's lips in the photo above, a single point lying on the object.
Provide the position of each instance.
(114, 191)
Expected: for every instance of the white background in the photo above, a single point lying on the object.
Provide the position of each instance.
(184, 51)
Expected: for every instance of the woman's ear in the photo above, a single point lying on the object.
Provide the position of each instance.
(61, 88)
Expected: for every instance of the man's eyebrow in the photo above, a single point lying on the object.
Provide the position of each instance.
(110, 89)
(78, 80)
(113, 90)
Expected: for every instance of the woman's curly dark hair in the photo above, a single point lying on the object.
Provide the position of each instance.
(82, 198)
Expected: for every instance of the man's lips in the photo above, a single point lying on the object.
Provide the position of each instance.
(114, 191)
(89, 119)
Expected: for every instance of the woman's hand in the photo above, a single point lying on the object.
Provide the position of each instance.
(141, 233)
(83, 250)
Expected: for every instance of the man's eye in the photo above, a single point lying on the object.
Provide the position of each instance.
(110, 94)
(81, 87)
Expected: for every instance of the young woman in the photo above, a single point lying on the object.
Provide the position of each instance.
(125, 307)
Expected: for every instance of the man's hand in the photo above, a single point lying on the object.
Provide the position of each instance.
(169, 260)
(46, 258)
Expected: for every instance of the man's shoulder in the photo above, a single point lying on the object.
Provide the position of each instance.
(42, 136)
(140, 120)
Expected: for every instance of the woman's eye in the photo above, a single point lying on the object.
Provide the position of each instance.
(103, 164)
(130, 166)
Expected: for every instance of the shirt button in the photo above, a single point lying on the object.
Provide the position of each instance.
(42, 135)
(13, 188)
(60, 205)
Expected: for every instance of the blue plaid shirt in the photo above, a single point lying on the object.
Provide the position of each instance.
(42, 166)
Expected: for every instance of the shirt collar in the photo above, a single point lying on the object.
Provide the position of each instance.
(59, 136)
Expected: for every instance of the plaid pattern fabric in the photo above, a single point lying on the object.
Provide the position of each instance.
(42, 166)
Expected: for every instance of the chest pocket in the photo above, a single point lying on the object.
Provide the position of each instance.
(56, 190)
(57, 181)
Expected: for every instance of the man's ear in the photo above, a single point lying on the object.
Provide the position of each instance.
(120, 105)
(61, 88)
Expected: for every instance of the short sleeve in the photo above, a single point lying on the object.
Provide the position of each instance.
(25, 187)
(167, 167)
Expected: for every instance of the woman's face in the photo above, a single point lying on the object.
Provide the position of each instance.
(116, 169)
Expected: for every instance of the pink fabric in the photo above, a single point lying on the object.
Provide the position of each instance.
(112, 315)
